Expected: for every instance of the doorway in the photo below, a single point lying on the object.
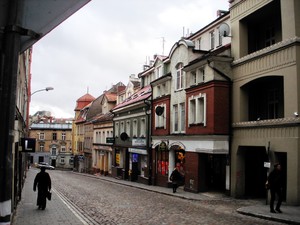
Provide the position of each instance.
(255, 172)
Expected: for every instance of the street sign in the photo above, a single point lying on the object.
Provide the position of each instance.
(110, 140)
(41, 17)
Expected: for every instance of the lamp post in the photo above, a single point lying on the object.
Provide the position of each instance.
(29, 100)
(45, 89)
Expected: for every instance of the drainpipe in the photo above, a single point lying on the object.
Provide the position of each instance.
(148, 143)
(228, 163)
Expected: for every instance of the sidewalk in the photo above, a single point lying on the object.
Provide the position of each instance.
(58, 212)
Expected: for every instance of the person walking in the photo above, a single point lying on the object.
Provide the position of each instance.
(275, 182)
(43, 182)
(176, 178)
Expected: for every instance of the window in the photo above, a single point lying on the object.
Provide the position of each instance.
(162, 162)
(42, 147)
(201, 75)
(62, 160)
(53, 151)
(63, 148)
(71, 160)
(134, 128)
(116, 129)
(179, 76)
(273, 103)
(42, 136)
(175, 111)
(270, 36)
(198, 44)
(122, 128)
(143, 128)
(212, 40)
(158, 72)
(160, 121)
(54, 136)
(219, 37)
(158, 91)
(128, 127)
(63, 136)
(197, 110)
(179, 118)
(193, 79)
(182, 117)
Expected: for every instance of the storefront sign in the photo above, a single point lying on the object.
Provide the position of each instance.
(138, 151)
(110, 140)
(118, 158)
(139, 142)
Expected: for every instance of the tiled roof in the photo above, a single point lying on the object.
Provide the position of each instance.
(140, 95)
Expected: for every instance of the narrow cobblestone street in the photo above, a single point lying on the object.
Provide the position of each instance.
(103, 202)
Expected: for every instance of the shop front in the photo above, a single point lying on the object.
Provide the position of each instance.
(166, 159)
(138, 165)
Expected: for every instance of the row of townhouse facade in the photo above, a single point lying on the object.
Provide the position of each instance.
(223, 105)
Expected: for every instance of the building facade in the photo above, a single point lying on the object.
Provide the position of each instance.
(53, 144)
(265, 122)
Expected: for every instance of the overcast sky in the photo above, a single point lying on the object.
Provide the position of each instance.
(107, 41)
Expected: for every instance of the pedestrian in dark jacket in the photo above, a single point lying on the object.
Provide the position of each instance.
(176, 178)
(43, 182)
(275, 182)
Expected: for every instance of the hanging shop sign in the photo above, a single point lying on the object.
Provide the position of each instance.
(138, 151)
(163, 146)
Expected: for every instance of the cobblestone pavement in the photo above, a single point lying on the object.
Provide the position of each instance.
(103, 202)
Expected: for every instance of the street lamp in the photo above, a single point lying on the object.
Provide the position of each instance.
(45, 89)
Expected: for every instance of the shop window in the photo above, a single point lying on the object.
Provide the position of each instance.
(163, 163)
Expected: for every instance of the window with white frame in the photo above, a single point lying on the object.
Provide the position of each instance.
(53, 151)
(158, 91)
(143, 128)
(117, 129)
(201, 72)
(197, 109)
(179, 76)
(182, 117)
(198, 43)
(122, 127)
(163, 89)
(158, 72)
(160, 120)
(62, 160)
(212, 39)
(179, 118)
(128, 127)
(42, 147)
(63, 148)
(103, 139)
(42, 136)
(193, 78)
(134, 128)
(63, 136)
(176, 118)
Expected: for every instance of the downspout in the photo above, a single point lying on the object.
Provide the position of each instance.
(148, 143)
(230, 132)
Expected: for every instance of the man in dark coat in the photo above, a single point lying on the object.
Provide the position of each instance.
(176, 177)
(275, 182)
(43, 182)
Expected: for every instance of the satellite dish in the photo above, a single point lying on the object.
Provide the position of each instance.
(224, 30)
(123, 136)
(159, 110)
